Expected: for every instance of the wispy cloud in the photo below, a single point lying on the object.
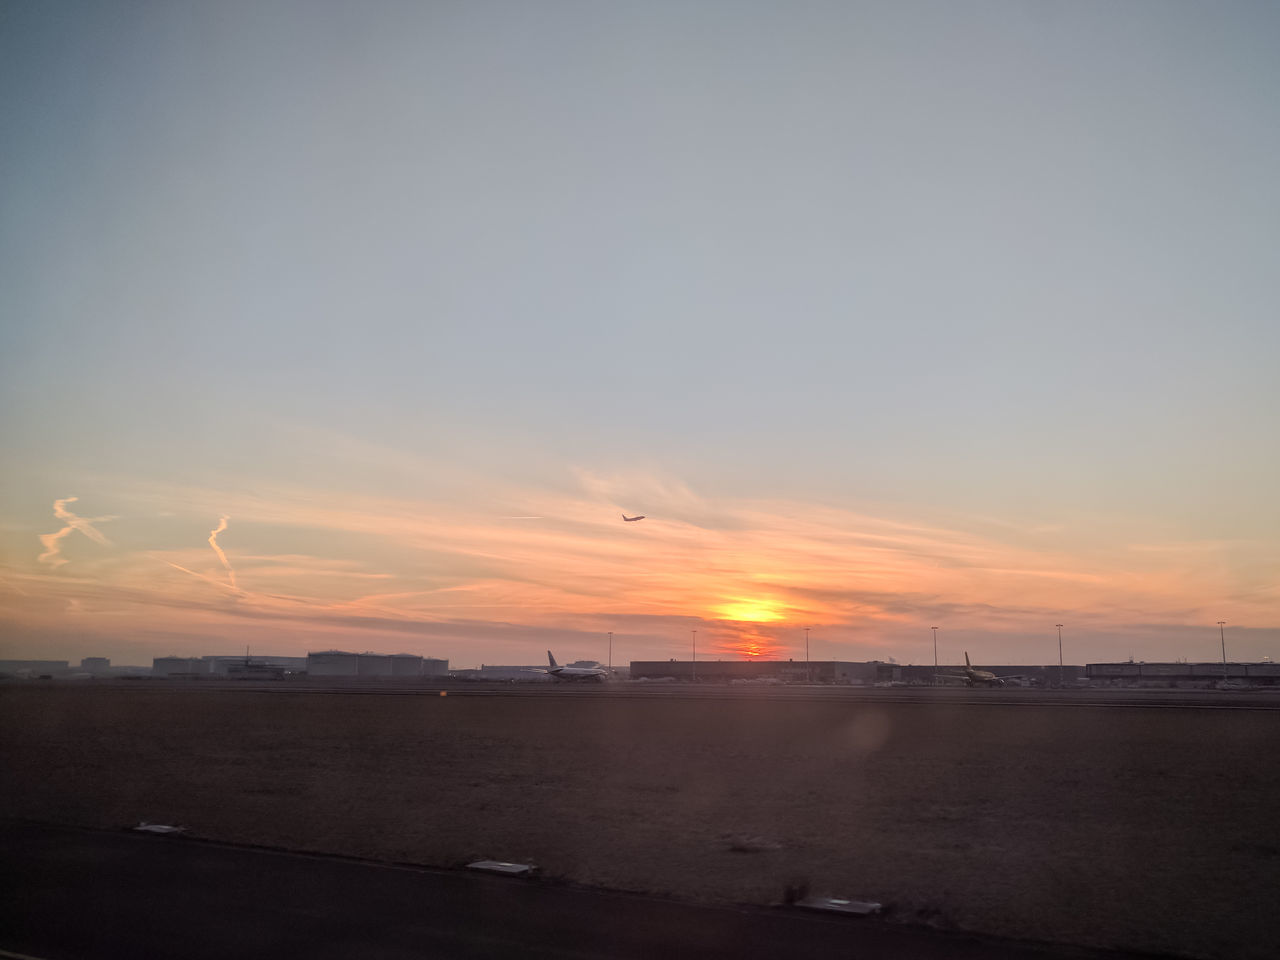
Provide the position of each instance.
(747, 574)
(53, 541)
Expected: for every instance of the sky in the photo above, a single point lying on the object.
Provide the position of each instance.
(359, 326)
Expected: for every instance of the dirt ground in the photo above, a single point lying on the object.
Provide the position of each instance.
(1145, 829)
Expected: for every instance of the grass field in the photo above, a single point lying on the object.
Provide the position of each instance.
(1147, 829)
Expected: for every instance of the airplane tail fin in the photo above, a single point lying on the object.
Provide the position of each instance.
(551, 661)
(966, 659)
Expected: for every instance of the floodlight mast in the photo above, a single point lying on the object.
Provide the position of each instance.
(1223, 638)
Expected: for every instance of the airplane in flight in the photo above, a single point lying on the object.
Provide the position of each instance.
(573, 673)
(632, 519)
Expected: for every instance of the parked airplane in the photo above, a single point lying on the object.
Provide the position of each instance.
(631, 519)
(974, 677)
(573, 673)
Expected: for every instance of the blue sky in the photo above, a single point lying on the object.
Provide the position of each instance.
(1002, 270)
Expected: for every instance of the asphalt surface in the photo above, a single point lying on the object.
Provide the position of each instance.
(72, 893)
(1120, 697)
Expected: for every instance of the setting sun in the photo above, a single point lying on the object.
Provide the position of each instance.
(752, 611)
(756, 646)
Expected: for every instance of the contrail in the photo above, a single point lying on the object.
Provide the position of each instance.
(522, 518)
(213, 542)
(198, 576)
(14, 587)
(52, 548)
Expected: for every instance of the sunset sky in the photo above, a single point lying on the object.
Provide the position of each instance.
(360, 325)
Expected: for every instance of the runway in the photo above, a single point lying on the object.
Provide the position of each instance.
(1119, 697)
(89, 894)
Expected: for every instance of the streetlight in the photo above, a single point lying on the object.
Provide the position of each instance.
(610, 653)
(935, 655)
(695, 655)
(1059, 626)
(807, 670)
(1223, 637)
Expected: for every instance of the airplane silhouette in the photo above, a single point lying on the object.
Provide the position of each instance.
(630, 519)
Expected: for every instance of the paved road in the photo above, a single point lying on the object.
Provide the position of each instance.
(73, 894)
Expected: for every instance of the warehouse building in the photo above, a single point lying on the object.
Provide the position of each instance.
(332, 663)
(756, 671)
(34, 668)
(842, 672)
(179, 667)
(222, 664)
(1131, 674)
(1025, 674)
(340, 663)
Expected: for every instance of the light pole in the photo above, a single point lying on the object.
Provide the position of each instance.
(1059, 626)
(935, 655)
(695, 655)
(1223, 638)
(808, 672)
(610, 653)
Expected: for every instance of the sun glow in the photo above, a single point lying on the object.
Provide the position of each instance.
(749, 611)
(755, 646)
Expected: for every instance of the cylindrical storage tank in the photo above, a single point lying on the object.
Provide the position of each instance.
(433, 667)
(406, 665)
(374, 665)
(332, 663)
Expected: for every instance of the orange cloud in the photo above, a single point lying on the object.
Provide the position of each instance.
(748, 574)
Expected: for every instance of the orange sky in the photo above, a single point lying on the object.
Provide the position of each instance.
(499, 578)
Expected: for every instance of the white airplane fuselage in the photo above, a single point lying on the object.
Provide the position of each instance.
(573, 673)
(974, 677)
